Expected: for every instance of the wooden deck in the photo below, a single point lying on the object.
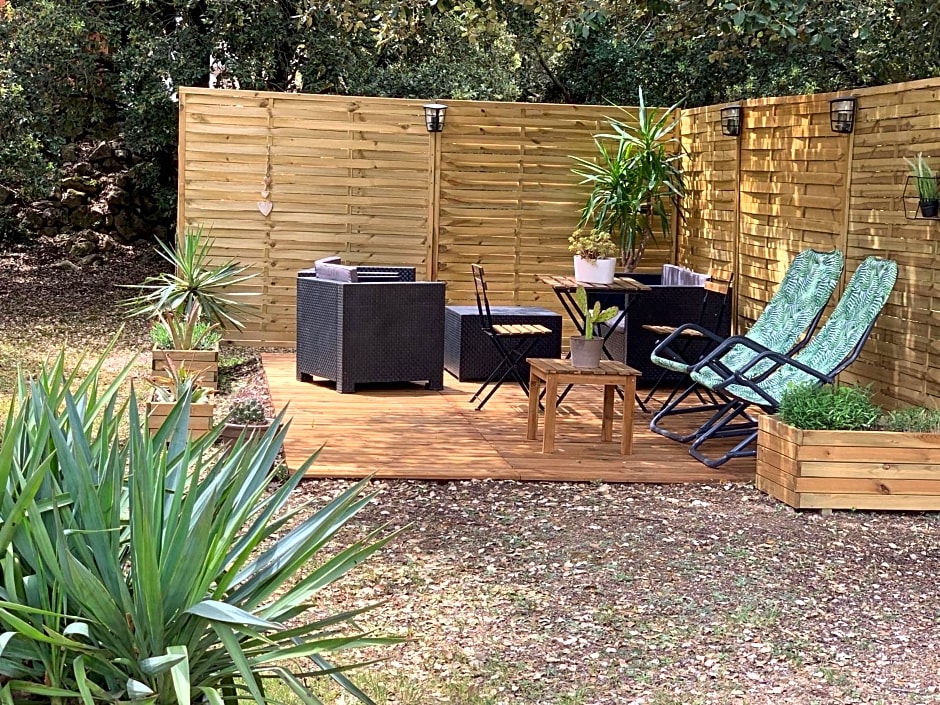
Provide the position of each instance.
(405, 431)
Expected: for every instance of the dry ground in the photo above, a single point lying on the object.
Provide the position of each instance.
(579, 594)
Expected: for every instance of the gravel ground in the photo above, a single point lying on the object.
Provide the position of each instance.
(594, 593)
(579, 594)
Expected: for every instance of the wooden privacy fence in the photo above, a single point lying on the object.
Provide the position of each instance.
(361, 177)
(790, 182)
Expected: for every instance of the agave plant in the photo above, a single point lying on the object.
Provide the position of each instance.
(101, 599)
(194, 284)
(635, 179)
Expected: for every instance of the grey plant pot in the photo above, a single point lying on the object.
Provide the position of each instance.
(586, 353)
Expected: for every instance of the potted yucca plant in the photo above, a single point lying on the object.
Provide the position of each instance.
(925, 179)
(174, 386)
(636, 179)
(192, 305)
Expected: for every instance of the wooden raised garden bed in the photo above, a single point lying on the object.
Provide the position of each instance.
(848, 469)
(200, 416)
(204, 364)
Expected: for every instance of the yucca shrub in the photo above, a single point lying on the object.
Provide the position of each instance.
(159, 569)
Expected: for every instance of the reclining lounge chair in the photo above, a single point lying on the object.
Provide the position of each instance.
(784, 326)
(762, 380)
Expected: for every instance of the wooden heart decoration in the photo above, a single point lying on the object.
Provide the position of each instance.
(265, 207)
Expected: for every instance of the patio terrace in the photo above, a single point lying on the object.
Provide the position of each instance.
(406, 431)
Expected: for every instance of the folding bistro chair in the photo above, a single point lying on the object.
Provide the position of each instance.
(762, 380)
(513, 341)
(784, 325)
(690, 344)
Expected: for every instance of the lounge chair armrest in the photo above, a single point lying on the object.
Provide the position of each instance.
(778, 361)
(713, 359)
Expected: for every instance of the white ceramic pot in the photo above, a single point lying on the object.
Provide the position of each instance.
(594, 271)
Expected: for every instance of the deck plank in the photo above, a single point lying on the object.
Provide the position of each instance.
(408, 432)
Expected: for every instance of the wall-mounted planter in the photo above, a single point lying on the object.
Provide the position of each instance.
(914, 207)
(848, 469)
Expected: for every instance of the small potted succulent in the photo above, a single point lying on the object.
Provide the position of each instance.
(246, 416)
(595, 256)
(928, 191)
(586, 350)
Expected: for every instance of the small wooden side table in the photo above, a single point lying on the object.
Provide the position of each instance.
(610, 375)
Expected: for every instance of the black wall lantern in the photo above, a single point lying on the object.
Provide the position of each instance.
(842, 114)
(731, 119)
(434, 116)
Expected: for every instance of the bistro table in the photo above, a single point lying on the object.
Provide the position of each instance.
(565, 288)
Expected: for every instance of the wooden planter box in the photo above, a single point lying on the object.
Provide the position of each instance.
(848, 469)
(203, 362)
(200, 416)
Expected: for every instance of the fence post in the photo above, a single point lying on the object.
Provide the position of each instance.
(736, 229)
(434, 203)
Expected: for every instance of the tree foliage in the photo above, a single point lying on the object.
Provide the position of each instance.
(89, 69)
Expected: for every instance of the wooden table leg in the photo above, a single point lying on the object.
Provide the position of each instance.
(534, 388)
(551, 402)
(607, 418)
(629, 392)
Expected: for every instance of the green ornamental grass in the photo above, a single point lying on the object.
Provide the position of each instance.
(156, 569)
(829, 407)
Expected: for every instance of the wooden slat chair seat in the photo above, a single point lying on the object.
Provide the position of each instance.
(669, 330)
(520, 329)
(691, 343)
(513, 341)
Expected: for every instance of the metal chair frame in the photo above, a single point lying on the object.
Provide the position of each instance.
(512, 341)
(870, 286)
(717, 403)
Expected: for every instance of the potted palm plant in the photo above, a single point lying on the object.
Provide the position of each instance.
(928, 192)
(636, 179)
(191, 303)
(586, 350)
(595, 256)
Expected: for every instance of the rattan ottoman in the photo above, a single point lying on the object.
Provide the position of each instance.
(470, 356)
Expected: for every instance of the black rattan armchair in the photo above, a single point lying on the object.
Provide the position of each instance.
(384, 327)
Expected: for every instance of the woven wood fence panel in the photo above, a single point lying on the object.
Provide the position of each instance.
(344, 176)
(508, 197)
(792, 192)
(707, 234)
(902, 359)
(362, 178)
(801, 185)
